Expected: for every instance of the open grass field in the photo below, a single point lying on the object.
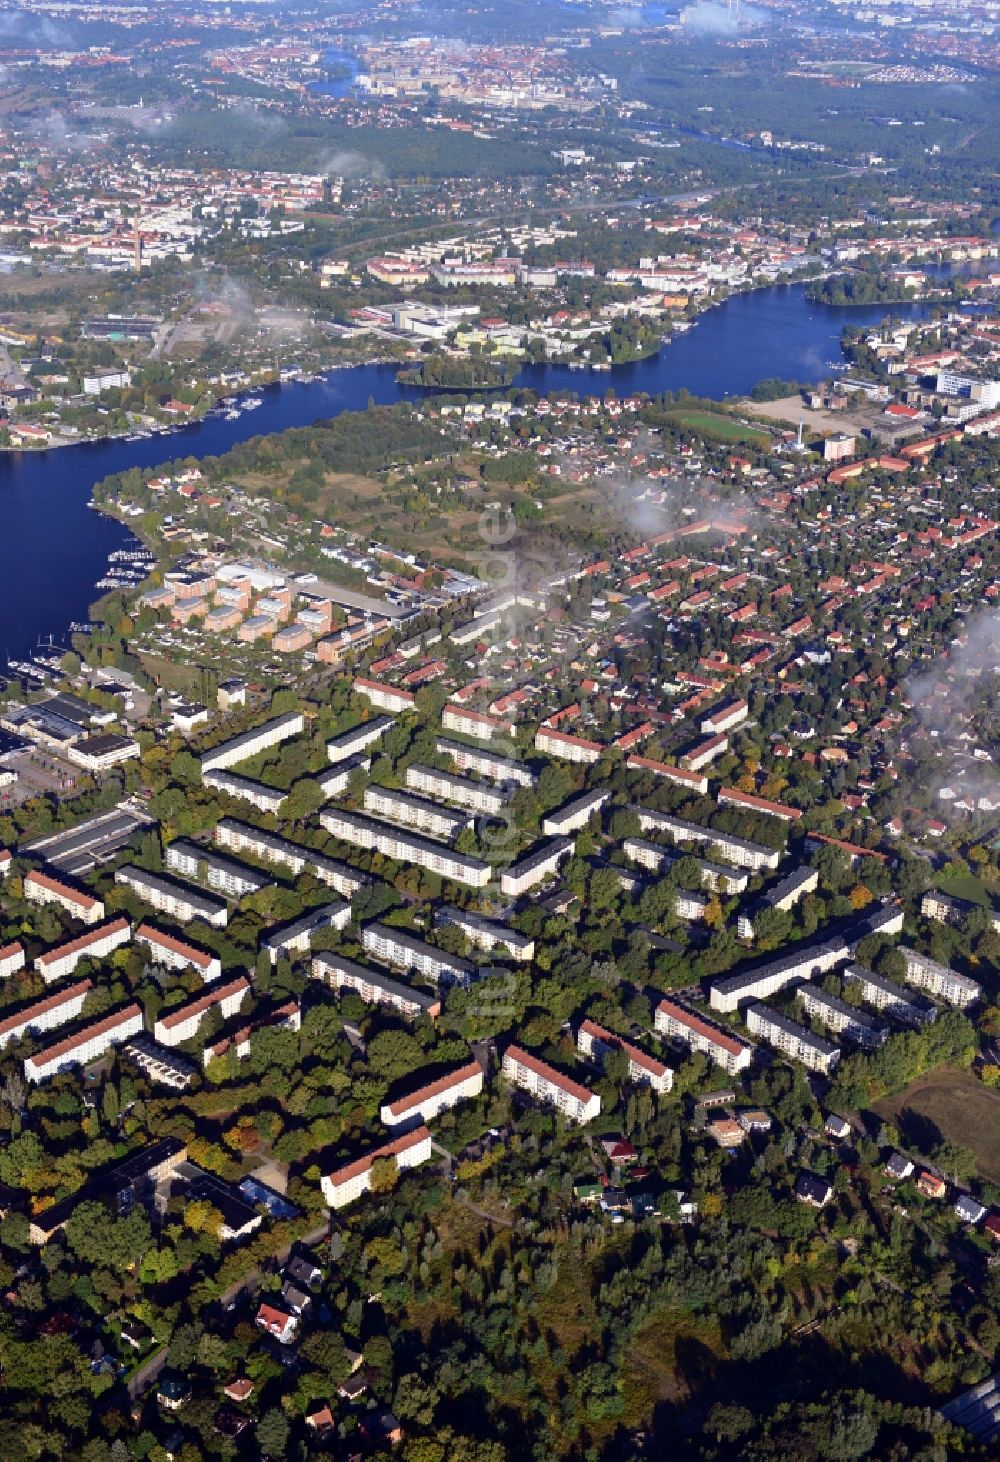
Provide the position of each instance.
(717, 428)
(958, 1106)
(967, 886)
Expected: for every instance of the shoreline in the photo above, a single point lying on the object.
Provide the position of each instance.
(377, 359)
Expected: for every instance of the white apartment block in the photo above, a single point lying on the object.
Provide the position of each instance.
(476, 796)
(97, 943)
(251, 743)
(594, 1042)
(374, 987)
(397, 947)
(486, 763)
(386, 697)
(12, 959)
(678, 1023)
(473, 723)
(705, 753)
(576, 1103)
(416, 812)
(176, 954)
(42, 888)
(938, 980)
(348, 1183)
(86, 1045)
(725, 718)
(47, 1013)
(179, 900)
(423, 1105)
(246, 789)
(566, 747)
(233, 880)
(733, 991)
(540, 862)
(893, 999)
(181, 1023)
(288, 1016)
(350, 744)
(845, 1019)
(487, 934)
(296, 938)
(740, 851)
(573, 815)
(270, 848)
(714, 876)
(405, 847)
(791, 1039)
(335, 780)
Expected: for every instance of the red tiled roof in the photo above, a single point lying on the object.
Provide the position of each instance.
(434, 1088)
(39, 1007)
(83, 941)
(388, 1149)
(701, 1027)
(548, 1073)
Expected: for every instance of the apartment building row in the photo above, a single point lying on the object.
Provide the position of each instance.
(405, 847)
(483, 797)
(294, 939)
(717, 877)
(288, 1015)
(938, 980)
(224, 875)
(843, 1018)
(435, 1097)
(335, 780)
(346, 1184)
(596, 1043)
(892, 999)
(246, 789)
(386, 697)
(484, 763)
(550, 1086)
(405, 952)
(97, 943)
(565, 747)
(251, 743)
(739, 851)
(12, 959)
(804, 963)
(785, 894)
(358, 739)
(177, 954)
(373, 986)
(419, 813)
(574, 814)
(46, 1013)
(679, 1023)
(180, 901)
(180, 1024)
(240, 837)
(538, 863)
(44, 888)
(86, 1044)
(489, 935)
(791, 1039)
(474, 723)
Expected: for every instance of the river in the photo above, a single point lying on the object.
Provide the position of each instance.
(57, 548)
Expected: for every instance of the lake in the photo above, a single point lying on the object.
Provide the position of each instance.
(57, 548)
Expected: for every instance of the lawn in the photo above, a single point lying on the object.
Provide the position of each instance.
(958, 1106)
(966, 886)
(714, 426)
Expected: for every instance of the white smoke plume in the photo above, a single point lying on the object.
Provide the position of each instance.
(351, 165)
